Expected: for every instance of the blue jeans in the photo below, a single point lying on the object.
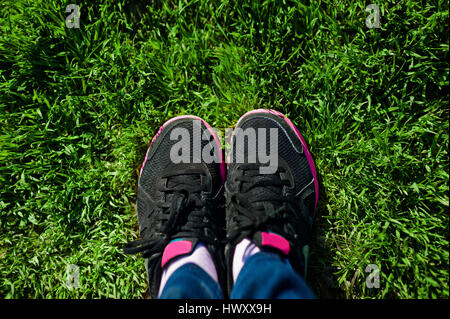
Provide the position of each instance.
(265, 275)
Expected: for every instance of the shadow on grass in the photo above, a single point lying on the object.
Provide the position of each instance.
(321, 277)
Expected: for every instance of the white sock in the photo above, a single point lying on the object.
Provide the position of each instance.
(242, 252)
(200, 256)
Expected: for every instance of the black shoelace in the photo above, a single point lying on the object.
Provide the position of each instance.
(260, 201)
(184, 214)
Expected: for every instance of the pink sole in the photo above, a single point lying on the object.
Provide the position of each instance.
(216, 139)
(305, 147)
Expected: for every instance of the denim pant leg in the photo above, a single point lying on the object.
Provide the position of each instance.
(266, 275)
(191, 282)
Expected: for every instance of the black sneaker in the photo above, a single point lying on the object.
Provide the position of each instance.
(273, 208)
(177, 203)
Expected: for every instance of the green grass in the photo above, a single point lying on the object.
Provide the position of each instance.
(78, 108)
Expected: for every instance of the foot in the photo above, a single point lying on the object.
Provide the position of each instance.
(269, 206)
(177, 202)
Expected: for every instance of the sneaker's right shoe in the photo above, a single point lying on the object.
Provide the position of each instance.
(273, 210)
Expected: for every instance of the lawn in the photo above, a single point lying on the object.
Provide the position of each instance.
(78, 107)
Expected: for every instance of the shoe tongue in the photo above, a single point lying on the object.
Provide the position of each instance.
(181, 182)
(260, 195)
(183, 174)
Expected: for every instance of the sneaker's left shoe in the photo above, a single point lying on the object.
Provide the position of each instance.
(178, 203)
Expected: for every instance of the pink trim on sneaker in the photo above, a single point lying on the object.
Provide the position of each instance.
(200, 256)
(275, 241)
(302, 140)
(174, 249)
(216, 139)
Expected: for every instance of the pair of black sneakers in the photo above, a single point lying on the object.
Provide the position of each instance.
(188, 194)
